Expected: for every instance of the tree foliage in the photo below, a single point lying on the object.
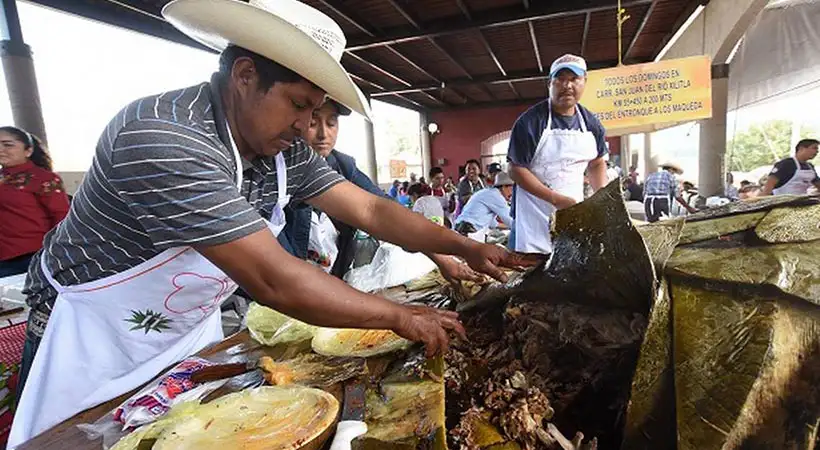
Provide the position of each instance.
(762, 145)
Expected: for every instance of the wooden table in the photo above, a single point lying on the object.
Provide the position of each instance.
(237, 348)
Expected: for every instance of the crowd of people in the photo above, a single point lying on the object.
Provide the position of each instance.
(661, 190)
(450, 204)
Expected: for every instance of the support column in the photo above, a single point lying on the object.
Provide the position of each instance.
(626, 154)
(370, 163)
(650, 159)
(712, 150)
(18, 67)
(426, 158)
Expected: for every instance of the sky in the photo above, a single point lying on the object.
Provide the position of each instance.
(87, 71)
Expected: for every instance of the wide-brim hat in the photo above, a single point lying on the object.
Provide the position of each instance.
(672, 165)
(288, 32)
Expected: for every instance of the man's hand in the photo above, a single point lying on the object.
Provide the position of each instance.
(429, 326)
(454, 270)
(488, 259)
(562, 201)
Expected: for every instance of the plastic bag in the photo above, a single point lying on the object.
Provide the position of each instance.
(391, 266)
(270, 327)
(322, 247)
(174, 387)
(282, 417)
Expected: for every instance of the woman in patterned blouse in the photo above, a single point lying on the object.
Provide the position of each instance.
(32, 199)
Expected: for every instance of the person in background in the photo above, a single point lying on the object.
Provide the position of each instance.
(492, 170)
(471, 183)
(794, 175)
(425, 203)
(485, 208)
(553, 145)
(633, 174)
(731, 190)
(403, 198)
(301, 217)
(394, 190)
(439, 191)
(413, 179)
(450, 186)
(422, 180)
(32, 199)
(659, 190)
(634, 190)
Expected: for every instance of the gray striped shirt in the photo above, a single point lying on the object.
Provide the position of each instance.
(162, 177)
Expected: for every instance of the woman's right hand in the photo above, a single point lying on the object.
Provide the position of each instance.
(429, 326)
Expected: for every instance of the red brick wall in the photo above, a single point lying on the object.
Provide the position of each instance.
(462, 131)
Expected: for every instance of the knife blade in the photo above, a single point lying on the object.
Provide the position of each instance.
(352, 424)
(222, 371)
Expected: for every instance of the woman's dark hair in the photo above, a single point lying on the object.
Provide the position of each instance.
(39, 154)
(269, 71)
(473, 161)
(435, 171)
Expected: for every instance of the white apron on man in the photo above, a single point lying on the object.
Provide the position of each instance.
(799, 184)
(109, 336)
(560, 160)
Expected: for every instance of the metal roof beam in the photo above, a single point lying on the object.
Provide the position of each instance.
(535, 47)
(407, 16)
(125, 16)
(404, 100)
(464, 9)
(490, 50)
(587, 19)
(488, 19)
(350, 17)
(510, 78)
(690, 9)
(640, 29)
(392, 76)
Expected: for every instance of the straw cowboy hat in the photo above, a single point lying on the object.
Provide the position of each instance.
(672, 165)
(287, 32)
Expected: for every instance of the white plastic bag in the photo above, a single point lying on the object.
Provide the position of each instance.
(391, 266)
(151, 403)
(322, 247)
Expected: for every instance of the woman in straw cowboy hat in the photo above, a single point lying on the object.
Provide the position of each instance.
(659, 190)
(183, 203)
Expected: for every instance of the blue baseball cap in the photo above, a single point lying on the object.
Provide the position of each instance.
(574, 63)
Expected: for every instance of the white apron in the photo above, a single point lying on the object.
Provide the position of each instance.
(109, 336)
(560, 161)
(799, 184)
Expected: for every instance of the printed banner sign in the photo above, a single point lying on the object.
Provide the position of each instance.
(677, 90)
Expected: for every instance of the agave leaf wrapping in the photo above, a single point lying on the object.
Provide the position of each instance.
(752, 205)
(790, 225)
(791, 268)
(650, 423)
(746, 369)
(710, 229)
(661, 239)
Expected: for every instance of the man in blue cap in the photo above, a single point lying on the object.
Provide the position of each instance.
(552, 146)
